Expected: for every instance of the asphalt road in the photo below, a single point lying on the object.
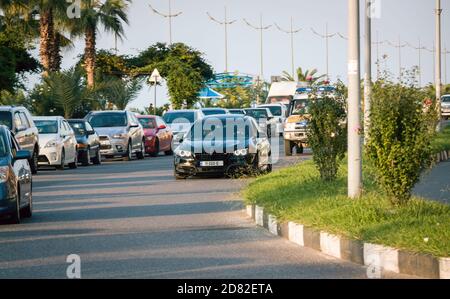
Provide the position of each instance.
(133, 220)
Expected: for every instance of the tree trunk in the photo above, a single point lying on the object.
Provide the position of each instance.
(55, 63)
(89, 56)
(46, 46)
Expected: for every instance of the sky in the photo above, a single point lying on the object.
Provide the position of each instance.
(410, 19)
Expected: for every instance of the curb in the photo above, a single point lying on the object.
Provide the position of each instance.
(377, 257)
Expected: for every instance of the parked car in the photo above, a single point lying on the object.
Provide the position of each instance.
(279, 112)
(20, 122)
(158, 136)
(237, 111)
(121, 133)
(445, 106)
(180, 122)
(16, 200)
(88, 147)
(264, 118)
(214, 111)
(58, 142)
(245, 150)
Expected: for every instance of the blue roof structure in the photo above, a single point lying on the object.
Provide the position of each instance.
(209, 93)
(230, 80)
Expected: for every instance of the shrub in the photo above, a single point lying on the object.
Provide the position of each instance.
(400, 135)
(327, 134)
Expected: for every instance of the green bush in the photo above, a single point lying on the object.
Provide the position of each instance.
(400, 136)
(327, 135)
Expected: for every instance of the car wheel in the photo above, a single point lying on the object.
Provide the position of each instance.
(86, 160)
(128, 155)
(15, 217)
(28, 211)
(287, 148)
(34, 162)
(156, 152)
(179, 176)
(269, 166)
(141, 154)
(170, 151)
(97, 160)
(74, 164)
(63, 161)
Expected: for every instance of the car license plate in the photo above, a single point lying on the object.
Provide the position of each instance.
(211, 163)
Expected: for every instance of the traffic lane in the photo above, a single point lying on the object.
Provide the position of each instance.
(133, 220)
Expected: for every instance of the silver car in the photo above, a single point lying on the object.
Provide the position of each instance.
(120, 133)
(180, 122)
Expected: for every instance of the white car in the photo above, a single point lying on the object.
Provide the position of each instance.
(180, 122)
(445, 106)
(279, 112)
(58, 144)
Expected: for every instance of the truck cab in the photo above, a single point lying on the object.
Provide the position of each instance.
(296, 125)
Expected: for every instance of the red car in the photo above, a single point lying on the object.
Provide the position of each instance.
(158, 136)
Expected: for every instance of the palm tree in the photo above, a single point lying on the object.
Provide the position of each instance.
(95, 13)
(307, 76)
(119, 92)
(68, 90)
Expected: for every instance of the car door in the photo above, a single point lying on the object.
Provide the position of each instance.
(65, 140)
(162, 133)
(20, 130)
(22, 172)
(93, 139)
(135, 131)
(28, 132)
(72, 140)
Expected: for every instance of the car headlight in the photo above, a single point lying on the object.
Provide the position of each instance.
(4, 172)
(183, 153)
(119, 136)
(241, 152)
(149, 138)
(51, 143)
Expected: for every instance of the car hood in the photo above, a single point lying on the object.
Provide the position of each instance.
(180, 127)
(81, 139)
(221, 146)
(45, 138)
(110, 131)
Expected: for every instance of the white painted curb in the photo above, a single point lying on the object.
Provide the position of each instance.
(330, 244)
(259, 215)
(381, 256)
(296, 233)
(249, 209)
(273, 225)
(444, 268)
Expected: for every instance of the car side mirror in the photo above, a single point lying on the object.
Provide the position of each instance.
(90, 132)
(162, 127)
(22, 155)
(134, 126)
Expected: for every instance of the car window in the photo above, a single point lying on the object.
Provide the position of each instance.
(79, 128)
(105, 120)
(6, 119)
(24, 120)
(47, 126)
(275, 110)
(68, 128)
(180, 117)
(446, 99)
(14, 146)
(17, 120)
(88, 126)
(3, 145)
(148, 123)
(257, 113)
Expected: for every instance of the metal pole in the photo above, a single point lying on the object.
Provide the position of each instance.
(354, 102)
(154, 105)
(368, 71)
(170, 22)
(226, 41)
(261, 39)
(445, 65)
(399, 59)
(438, 60)
(292, 48)
(378, 56)
(327, 49)
(420, 63)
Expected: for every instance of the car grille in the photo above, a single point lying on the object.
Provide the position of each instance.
(105, 147)
(104, 138)
(212, 157)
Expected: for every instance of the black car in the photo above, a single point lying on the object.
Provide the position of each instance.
(223, 144)
(15, 179)
(88, 142)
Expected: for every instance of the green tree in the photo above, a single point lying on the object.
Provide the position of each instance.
(110, 14)
(305, 76)
(120, 92)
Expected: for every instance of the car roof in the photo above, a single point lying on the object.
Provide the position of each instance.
(108, 111)
(147, 116)
(9, 107)
(215, 108)
(225, 116)
(47, 117)
(77, 120)
(183, 110)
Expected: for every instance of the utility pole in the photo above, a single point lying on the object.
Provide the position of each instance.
(368, 70)
(291, 32)
(399, 46)
(326, 36)
(225, 23)
(170, 16)
(445, 64)
(261, 29)
(354, 102)
(438, 61)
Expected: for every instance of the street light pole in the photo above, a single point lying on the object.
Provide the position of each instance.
(354, 100)
(291, 32)
(225, 23)
(170, 16)
(368, 70)
(261, 28)
(326, 36)
(438, 60)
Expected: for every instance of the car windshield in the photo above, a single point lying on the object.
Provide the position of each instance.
(147, 123)
(446, 99)
(3, 145)
(221, 129)
(47, 126)
(237, 111)
(300, 107)
(257, 113)
(179, 117)
(108, 120)
(78, 128)
(213, 111)
(275, 110)
(6, 119)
